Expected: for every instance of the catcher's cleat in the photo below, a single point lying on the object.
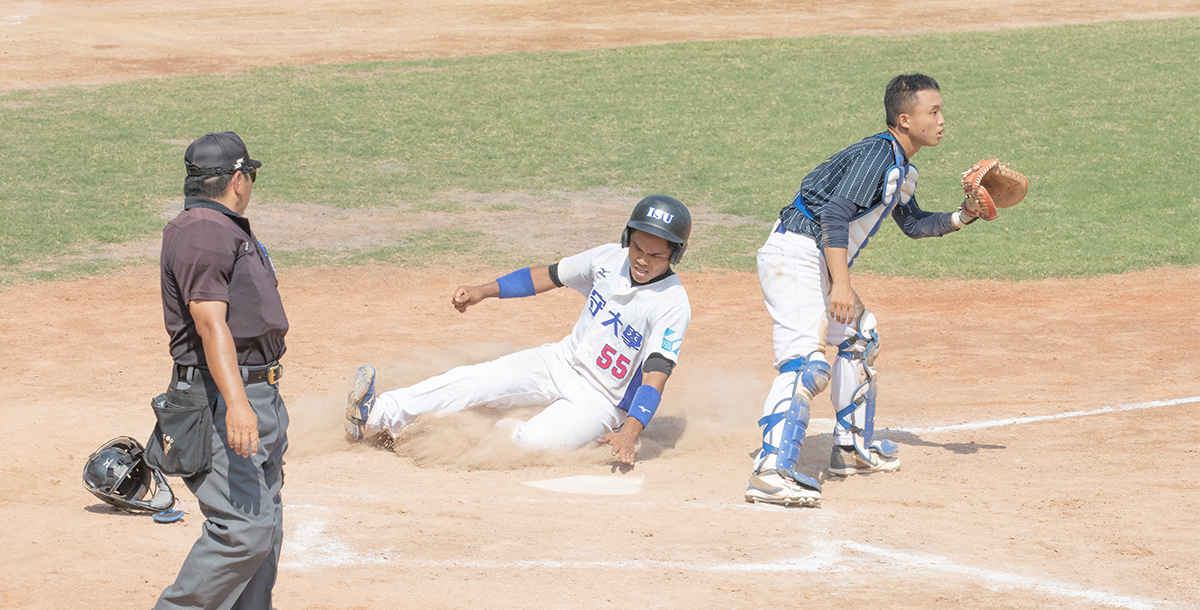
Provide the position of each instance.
(770, 487)
(360, 401)
(845, 461)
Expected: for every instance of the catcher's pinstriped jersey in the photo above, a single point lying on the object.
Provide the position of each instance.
(847, 185)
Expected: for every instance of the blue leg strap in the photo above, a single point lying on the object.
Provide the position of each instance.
(766, 423)
(859, 417)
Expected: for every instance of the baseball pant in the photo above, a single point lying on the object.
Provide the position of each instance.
(576, 412)
(234, 563)
(795, 284)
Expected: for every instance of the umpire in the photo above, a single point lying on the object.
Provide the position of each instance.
(223, 424)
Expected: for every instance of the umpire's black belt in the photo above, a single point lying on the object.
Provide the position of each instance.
(268, 373)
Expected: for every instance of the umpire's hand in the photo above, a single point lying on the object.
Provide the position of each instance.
(241, 428)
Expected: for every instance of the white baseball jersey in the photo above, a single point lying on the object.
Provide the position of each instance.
(621, 324)
(586, 381)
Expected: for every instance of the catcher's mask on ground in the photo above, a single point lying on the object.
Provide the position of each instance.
(117, 473)
(665, 217)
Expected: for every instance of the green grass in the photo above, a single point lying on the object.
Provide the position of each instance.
(422, 248)
(1102, 118)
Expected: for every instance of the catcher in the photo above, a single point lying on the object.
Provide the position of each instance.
(804, 271)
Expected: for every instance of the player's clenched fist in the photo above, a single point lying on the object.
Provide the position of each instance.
(466, 296)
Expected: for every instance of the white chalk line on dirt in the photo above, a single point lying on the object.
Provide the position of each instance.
(1040, 418)
(320, 550)
(308, 546)
(1005, 579)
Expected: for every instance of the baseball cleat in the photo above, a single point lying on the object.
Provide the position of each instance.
(770, 487)
(360, 401)
(844, 462)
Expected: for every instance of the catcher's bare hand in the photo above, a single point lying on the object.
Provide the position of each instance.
(963, 217)
(842, 303)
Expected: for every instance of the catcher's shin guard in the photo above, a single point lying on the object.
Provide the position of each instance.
(858, 415)
(812, 377)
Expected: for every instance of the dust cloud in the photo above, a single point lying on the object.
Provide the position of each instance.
(699, 407)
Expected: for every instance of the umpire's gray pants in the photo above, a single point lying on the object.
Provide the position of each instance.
(234, 562)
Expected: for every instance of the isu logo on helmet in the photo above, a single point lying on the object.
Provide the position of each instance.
(658, 214)
(665, 217)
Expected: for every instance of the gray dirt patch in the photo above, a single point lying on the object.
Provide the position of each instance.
(544, 225)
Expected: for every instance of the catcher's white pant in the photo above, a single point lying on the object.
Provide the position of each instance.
(576, 412)
(795, 284)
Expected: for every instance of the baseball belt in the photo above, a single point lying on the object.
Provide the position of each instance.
(268, 373)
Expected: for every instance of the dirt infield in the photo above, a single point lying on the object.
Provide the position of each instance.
(1049, 429)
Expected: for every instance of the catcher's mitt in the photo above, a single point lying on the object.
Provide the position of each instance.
(990, 185)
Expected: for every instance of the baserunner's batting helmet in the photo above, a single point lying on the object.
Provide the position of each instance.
(117, 473)
(663, 216)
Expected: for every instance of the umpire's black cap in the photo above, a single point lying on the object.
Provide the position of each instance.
(218, 153)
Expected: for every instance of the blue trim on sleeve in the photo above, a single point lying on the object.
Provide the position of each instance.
(645, 403)
(517, 284)
(634, 383)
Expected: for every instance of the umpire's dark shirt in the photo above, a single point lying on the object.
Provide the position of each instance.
(210, 254)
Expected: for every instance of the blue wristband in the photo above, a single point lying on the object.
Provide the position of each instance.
(645, 403)
(517, 284)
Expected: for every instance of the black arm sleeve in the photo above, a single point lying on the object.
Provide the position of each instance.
(917, 223)
(554, 275)
(835, 222)
(657, 363)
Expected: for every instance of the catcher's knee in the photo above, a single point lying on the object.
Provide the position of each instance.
(864, 345)
(812, 374)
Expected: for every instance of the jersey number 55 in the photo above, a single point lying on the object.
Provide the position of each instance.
(619, 368)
